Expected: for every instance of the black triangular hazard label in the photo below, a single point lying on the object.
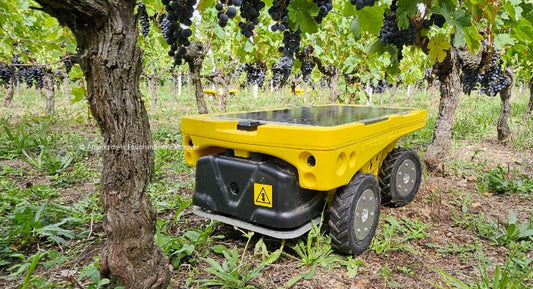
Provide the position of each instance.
(262, 197)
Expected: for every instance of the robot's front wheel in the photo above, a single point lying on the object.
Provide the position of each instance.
(354, 214)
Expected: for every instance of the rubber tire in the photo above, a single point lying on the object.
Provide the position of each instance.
(390, 195)
(342, 219)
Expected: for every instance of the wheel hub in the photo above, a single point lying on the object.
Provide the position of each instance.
(405, 177)
(364, 214)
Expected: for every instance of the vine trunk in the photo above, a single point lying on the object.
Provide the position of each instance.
(450, 92)
(106, 34)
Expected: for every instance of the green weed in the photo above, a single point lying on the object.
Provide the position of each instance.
(315, 250)
(504, 276)
(234, 271)
(463, 251)
(394, 234)
(502, 181)
(508, 233)
(353, 266)
(91, 274)
(25, 137)
(192, 243)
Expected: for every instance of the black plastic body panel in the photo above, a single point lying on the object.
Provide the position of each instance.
(225, 185)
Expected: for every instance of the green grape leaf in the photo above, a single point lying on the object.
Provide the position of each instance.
(268, 3)
(248, 46)
(219, 32)
(473, 38)
(78, 93)
(379, 48)
(301, 13)
(444, 11)
(502, 40)
(513, 9)
(75, 72)
(438, 47)
(348, 10)
(204, 4)
(371, 19)
(460, 19)
(354, 27)
(406, 10)
(349, 64)
(523, 30)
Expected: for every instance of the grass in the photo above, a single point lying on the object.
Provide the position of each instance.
(51, 220)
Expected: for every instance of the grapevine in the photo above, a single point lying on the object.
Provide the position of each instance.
(488, 76)
(68, 61)
(144, 19)
(6, 73)
(179, 14)
(226, 13)
(255, 73)
(250, 10)
(324, 6)
(306, 58)
(360, 4)
(390, 33)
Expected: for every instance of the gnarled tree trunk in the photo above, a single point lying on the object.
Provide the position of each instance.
(10, 92)
(504, 132)
(450, 92)
(217, 78)
(195, 57)
(66, 85)
(331, 74)
(49, 92)
(106, 33)
(153, 89)
(530, 105)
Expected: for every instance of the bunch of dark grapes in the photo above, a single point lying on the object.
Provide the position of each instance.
(279, 14)
(6, 73)
(490, 79)
(380, 87)
(493, 79)
(360, 4)
(179, 12)
(276, 75)
(324, 6)
(291, 42)
(390, 33)
(20, 70)
(226, 13)
(435, 19)
(250, 10)
(282, 71)
(307, 69)
(144, 19)
(34, 75)
(38, 76)
(68, 61)
(255, 74)
(470, 79)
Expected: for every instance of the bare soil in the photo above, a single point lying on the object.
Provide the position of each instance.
(438, 204)
(438, 201)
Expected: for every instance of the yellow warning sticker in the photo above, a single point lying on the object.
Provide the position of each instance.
(263, 195)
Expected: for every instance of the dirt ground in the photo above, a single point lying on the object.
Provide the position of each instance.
(438, 204)
(438, 201)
